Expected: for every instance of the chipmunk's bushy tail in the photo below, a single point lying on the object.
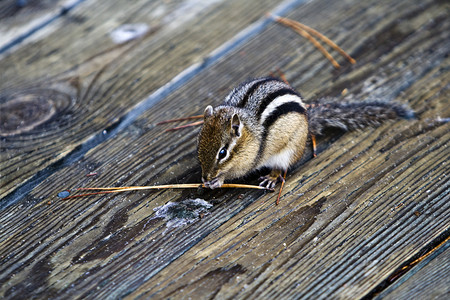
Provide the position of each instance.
(354, 115)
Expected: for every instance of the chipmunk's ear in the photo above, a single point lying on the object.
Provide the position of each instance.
(208, 111)
(236, 125)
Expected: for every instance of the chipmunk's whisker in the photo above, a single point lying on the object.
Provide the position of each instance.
(186, 126)
(180, 119)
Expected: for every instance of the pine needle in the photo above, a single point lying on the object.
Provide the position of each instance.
(108, 190)
(308, 32)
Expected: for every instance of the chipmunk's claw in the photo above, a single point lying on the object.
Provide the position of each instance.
(268, 182)
(214, 183)
(271, 180)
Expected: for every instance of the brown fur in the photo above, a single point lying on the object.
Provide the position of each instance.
(217, 132)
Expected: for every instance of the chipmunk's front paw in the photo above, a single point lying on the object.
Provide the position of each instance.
(271, 180)
(214, 183)
(268, 183)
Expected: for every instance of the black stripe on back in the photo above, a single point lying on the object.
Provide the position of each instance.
(275, 115)
(283, 110)
(272, 96)
(256, 83)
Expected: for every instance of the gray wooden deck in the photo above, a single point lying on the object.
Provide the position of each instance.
(368, 218)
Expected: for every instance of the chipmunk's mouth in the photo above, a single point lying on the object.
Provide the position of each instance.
(213, 183)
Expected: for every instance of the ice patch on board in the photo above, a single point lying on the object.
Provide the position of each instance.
(182, 213)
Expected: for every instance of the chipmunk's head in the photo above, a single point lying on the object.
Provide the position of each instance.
(223, 146)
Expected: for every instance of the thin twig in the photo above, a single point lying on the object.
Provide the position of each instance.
(310, 38)
(314, 145)
(282, 76)
(283, 180)
(108, 190)
(323, 38)
(307, 33)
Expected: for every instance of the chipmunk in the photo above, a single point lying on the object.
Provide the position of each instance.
(264, 123)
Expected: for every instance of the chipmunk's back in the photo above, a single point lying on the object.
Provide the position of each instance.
(281, 117)
(266, 98)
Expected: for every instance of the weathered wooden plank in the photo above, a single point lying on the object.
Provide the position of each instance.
(347, 219)
(428, 282)
(21, 19)
(350, 219)
(76, 82)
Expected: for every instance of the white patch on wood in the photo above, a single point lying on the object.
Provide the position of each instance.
(178, 214)
(128, 32)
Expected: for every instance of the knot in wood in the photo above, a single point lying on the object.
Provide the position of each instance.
(23, 112)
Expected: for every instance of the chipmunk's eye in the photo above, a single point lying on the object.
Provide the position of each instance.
(222, 153)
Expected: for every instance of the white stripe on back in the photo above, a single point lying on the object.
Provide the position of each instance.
(280, 100)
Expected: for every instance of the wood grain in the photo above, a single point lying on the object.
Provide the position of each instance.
(371, 201)
(428, 277)
(20, 20)
(82, 84)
